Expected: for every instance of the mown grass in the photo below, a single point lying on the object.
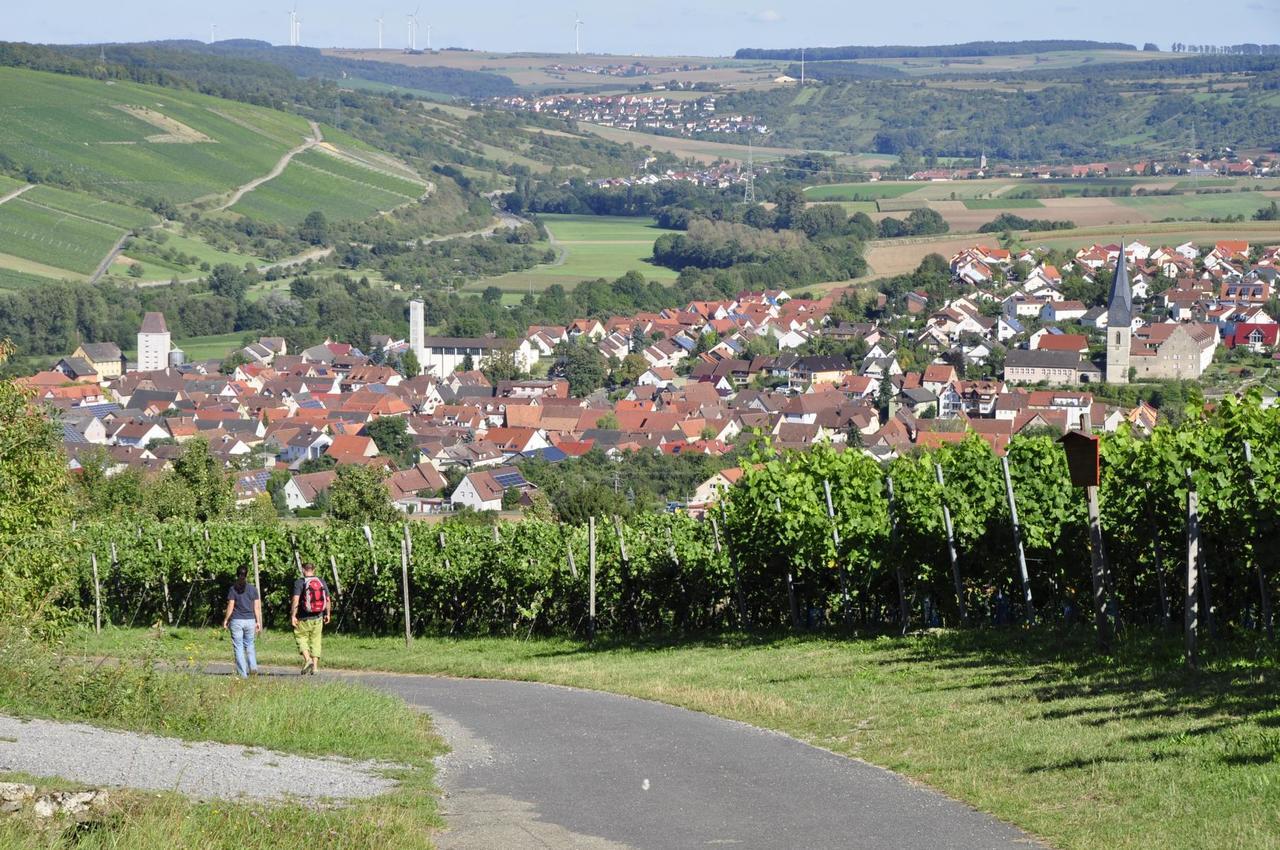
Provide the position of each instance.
(1121, 751)
(308, 717)
(593, 246)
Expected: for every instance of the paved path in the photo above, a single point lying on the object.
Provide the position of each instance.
(543, 766)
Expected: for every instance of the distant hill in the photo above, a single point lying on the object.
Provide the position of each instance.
(901, 51)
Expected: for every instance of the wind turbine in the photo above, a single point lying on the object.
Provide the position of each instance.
(379, 19)
(295, 27)
(428, 37)
(213, 33)
(413, 29)
(577, 34)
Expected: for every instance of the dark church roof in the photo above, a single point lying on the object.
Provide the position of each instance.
(1120, 305)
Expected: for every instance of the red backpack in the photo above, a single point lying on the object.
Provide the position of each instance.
(314, 596)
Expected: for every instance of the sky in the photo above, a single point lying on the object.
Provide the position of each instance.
(657, 27)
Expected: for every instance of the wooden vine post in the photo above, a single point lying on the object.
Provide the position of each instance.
(1084, 465)
(1263, 594)
(591, 581)
(845, 602)
(404, 583)
(904, 613)
(97, 595)
(1190, 616)
(164, 583)
(791, 582)
(951, 547)
(1017, 542)
(337, 582)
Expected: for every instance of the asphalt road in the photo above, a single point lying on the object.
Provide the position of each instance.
(543, 766)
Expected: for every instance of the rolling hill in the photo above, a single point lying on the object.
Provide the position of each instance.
(100, 156)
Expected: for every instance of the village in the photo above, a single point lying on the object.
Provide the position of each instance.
(646, 111)
(1009, 354)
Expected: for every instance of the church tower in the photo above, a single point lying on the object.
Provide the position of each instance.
(1119, 324)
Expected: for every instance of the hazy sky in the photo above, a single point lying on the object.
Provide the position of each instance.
(700, 27)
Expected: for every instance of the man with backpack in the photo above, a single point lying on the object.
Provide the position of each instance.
(308, 612)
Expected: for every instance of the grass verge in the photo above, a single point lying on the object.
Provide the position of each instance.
(1123, 751)
(308, 717)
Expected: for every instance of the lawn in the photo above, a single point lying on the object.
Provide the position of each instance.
(290, 715)
(1126, 751)
(593, 247)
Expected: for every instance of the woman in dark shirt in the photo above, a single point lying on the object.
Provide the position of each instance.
(243, 619)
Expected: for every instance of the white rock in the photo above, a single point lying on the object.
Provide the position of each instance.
(16, 792)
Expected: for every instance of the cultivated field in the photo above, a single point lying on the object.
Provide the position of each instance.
(319, 180)
(1050, 60)
(55, 239)
(534, 70)
(888, 257)
(592, 247)
(92, 130)
(697, 149)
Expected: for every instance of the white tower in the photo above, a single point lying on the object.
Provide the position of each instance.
(417, 330)
(153, 343)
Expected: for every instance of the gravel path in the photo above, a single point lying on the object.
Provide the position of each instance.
(100, 757)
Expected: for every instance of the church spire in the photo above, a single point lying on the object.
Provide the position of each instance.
(1120, 305)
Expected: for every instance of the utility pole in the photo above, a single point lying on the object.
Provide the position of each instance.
(749, 191)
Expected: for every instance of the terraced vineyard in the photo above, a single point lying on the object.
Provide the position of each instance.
(127, 142)
(43, 235)
(340, 188)
(89, 207)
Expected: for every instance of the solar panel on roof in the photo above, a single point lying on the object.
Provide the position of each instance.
(509, 479)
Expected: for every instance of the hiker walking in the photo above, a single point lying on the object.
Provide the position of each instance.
(243, 618)
(308, 612)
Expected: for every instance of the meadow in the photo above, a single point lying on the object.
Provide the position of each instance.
(1128, 750)
(158, 267)
(341, 189)
(286, 715)
(592, 247)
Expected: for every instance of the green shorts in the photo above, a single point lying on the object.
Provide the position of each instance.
(308, 634)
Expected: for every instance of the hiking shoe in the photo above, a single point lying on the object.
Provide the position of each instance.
(309, 667)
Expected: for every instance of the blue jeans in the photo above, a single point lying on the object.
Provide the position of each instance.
(242, 635)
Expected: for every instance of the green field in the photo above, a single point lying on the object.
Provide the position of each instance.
(212, 347)
(285, 715)
(87, 206)
(91, 131)
(1126, 751)
(1001, 204)
(12, 279)
(1201, 206)
(32, 232)
(592, 247)
(858, 191)
(158, 266)
(339, 188)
